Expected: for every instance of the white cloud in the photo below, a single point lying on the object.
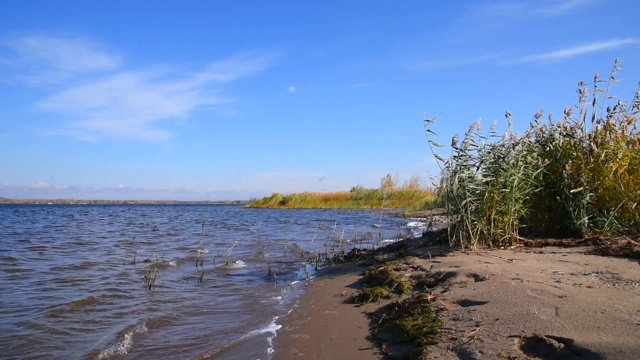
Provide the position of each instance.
(526, 9)
(570, 52)
(129, 105)
(235, 67)
(100, 98)
(292, 89)
(46, 59)
(555, 8)
(485, 15)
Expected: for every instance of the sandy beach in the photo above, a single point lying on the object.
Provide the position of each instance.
(521, 303)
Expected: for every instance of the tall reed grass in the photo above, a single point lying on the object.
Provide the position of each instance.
(574, 177)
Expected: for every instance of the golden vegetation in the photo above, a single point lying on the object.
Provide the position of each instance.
(411, 196)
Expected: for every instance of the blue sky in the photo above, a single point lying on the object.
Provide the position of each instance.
(211, 100)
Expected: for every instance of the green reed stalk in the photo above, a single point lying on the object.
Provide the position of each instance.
(578, 176)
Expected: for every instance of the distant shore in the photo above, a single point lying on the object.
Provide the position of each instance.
(119, 202)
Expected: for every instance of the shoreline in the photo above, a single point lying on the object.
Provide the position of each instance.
(322, 326)
(544, 302)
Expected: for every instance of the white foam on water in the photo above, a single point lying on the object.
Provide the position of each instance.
(123, 346)
(236, 264)
(173, 263)
(271, 328)
(417, 228)
(386, 242)
(306, 273)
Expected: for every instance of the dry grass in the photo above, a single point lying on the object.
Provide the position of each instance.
(411, 196)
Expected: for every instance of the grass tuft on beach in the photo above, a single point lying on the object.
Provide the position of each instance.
(414, 325)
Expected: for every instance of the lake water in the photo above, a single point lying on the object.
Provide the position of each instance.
(161, 281)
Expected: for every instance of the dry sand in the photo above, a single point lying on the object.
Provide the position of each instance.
(546, 303)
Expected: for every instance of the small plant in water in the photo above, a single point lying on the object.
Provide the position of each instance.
(229, 252)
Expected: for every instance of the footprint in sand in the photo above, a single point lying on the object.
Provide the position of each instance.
(468, 302)
(555, 347)
(477, 277)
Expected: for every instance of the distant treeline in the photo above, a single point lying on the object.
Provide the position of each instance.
(118, 202)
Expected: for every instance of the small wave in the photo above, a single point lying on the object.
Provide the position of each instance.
(124, 343)
(386, 242)
(271, 328)
(306, 273)
(37, 248)
(18, 270)
(163, 264)
(236, 264)
(202, 251)
(8, 259)
(91, 300)
(418, 228)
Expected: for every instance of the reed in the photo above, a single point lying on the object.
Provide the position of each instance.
(150, 277)
(574, 177)
(229, 252)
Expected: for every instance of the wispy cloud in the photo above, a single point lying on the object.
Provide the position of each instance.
(502, 13)
(292, 89)
(100, 98)
(129, 105)
(574, 51)
(515, 9)
(45, 59)
(556, 8)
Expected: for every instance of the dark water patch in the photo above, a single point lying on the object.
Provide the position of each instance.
(17, 270)
(40, 248)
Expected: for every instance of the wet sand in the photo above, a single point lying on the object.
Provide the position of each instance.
(323, 326)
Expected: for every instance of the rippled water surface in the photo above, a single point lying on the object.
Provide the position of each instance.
(74, 279)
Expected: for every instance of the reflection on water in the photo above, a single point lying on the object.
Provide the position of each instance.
(75, 279)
